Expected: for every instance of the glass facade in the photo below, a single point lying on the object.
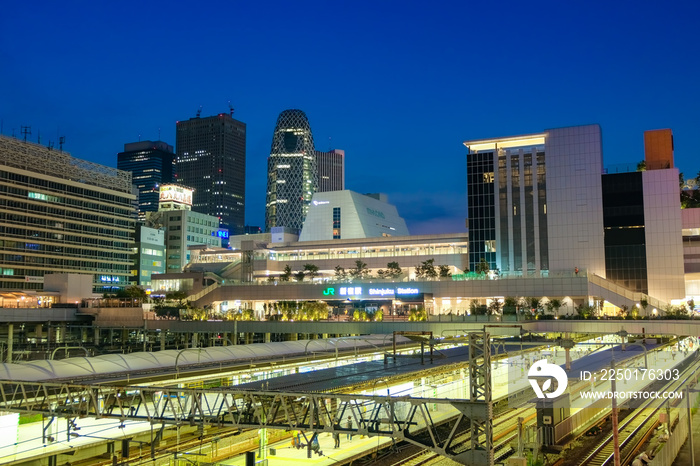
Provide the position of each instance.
(481, 210)
(623, 218)
(211, 158)
(150, 164)
(336, 223)
(507, 206)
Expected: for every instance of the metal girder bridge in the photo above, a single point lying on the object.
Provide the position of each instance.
(430, 423)
(436, 424)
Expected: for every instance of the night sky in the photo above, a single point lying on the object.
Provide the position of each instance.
(397, 84)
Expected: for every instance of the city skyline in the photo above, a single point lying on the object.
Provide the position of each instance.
(392, 86)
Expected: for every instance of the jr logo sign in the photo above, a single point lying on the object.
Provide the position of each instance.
(329, 291)
(542, 370)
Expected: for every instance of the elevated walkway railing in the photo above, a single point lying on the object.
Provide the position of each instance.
(623, 292)
(202, 293)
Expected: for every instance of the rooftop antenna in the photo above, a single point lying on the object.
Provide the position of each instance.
(61, 141)
(38, 137)
(199, 111)
(26, 130)
(159, 134)
(50, 146)
(230, 109)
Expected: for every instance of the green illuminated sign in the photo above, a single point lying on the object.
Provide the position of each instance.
(330, 291)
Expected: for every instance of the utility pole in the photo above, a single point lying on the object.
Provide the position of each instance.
(616, 434)
(690, 427)
(26, 130)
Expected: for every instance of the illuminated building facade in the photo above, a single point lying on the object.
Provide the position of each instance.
(541, 204)
(183, 227)
(211, 158)
(151, 163)
(59, 214)
(331, 170)
(150, 255)
(292, 176)
(347, 214)
(535, 202)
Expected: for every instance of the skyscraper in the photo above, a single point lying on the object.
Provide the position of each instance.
(291, 172)
(331, 170)
(211, 159)
(151, 164)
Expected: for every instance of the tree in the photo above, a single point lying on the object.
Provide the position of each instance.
(494, 307)
(444, 271)
(642, 166)
(135, 292)
(623, 310)
(176, 296)
(287, 275)
(393, 270)
(311, 270)
(417, 315)
(299, 276)
(426, 269)
(340, 273)
(287, 310)
(483, 266)
(360, 270)
(644, 303)
(556, 304)
(314, 310)
(534, 304)
(585, 311)
(510, 305)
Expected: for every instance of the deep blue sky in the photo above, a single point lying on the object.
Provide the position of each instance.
(397, 84)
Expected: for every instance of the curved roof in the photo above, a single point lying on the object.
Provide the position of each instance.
(34, 371)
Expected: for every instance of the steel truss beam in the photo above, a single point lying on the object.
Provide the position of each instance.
(431, 423)
(480, 391)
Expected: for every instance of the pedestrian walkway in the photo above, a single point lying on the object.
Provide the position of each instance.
(286, 455)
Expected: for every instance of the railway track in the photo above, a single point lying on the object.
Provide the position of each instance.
(636, 428)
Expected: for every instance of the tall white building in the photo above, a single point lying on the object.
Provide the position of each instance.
(542, 204)
(347, 214)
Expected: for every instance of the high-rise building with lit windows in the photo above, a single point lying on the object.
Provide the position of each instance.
(541, 204)
(535, 202)
(211, 157)
(59, 214)
(330, 167)
(292, 176)
(151, 164)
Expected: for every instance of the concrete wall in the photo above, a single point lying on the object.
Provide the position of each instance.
(73, 287)
(664, 242)
(574, 164)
